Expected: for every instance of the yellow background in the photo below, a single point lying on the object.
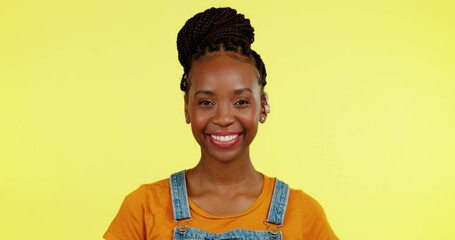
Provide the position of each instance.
(362, 95)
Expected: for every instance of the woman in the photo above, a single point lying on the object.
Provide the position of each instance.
(223, 196)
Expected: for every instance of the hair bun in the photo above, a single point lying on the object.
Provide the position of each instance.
(211, 28)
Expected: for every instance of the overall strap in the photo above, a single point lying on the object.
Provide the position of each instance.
(180, 205)
(279, 203)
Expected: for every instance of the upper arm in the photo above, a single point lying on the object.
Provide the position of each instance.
(130, 221)
(314, 220)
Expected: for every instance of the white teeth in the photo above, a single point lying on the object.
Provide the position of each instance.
(224, 138)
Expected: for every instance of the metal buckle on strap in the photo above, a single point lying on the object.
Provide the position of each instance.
(182, 225)
(273, 229)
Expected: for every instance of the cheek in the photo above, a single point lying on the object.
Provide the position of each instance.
(250, 119)
(197, 128)
(199, 119)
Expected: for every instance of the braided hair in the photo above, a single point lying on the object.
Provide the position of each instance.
(217, 29)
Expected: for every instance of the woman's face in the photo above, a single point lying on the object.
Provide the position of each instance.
(224, 105)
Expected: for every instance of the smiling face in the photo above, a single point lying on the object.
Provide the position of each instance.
(224, 105)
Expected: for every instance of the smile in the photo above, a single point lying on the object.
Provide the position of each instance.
(225, 140)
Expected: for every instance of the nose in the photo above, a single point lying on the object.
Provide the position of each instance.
(223, 115)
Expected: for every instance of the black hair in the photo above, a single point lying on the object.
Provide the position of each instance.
(213, 30)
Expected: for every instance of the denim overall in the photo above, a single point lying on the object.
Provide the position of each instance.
(182, 215)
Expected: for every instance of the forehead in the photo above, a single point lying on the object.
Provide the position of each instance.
(222, 71)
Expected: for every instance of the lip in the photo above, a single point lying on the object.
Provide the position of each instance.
(225, 144)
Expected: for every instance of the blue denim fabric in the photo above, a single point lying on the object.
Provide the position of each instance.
(237, 234)
(279, 203)
(182, 212)
(180, 204)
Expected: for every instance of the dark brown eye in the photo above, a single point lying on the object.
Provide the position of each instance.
(242, 102)
(205, 103)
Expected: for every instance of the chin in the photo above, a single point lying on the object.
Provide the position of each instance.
(227, 155)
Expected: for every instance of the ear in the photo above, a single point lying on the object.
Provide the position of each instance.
(187, 115)
(265, 107)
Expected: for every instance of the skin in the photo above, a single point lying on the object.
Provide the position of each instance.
(224, 98)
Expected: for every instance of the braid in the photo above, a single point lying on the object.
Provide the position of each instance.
(216, 29)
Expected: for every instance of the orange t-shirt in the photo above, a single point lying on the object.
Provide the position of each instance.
(147, 214)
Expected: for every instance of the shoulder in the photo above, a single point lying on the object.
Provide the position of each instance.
(148, 194)
(311, 215)
(301, 201)
(156, 188)
(303, 207)
(308, 204)
(144, 201)
(145, 190)
(139, 210)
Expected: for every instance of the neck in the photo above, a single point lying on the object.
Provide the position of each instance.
(224, 187)
(225, 173)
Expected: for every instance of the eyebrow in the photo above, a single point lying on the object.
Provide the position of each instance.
(241, 90)
(236, 92)
(207, 92)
